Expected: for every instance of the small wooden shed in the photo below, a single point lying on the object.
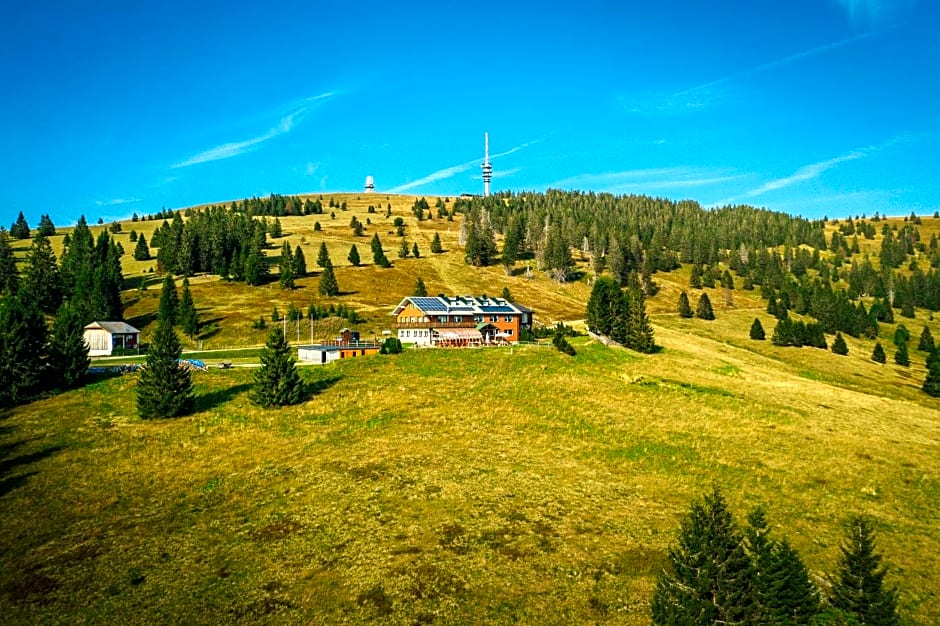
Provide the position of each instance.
(103, 337)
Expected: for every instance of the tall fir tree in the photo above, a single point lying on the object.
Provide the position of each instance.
(685, 308)
(839, 346)
(704, 309)
(300, 263)
(859, 584)
(169, 301)
(901, 335)
(46, 227)
(9, 273)
(187, 314)
(878, 354)
(932, 383)
(164, 389)
(142, 250)
(23, 344)
(42, 280)
(277, 382)
(419, 290)
(901, 356)
(436, 247)
(353, 257)
(20, 228)
(286, 263)
(757, 330)
(256, 265)
(323, 255)
(926, 343)
(640, 333)
(603, 305)
(328, 285)
(67, 348)
(709, 578)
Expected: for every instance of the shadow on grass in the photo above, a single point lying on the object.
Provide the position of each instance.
(316, 387)
(219, 397)
(8, 466)
(142, 321)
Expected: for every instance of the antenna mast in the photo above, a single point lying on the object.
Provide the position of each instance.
(487, 168)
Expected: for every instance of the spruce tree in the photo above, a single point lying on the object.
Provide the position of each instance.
(42, 280)
(415, 252)
(256, 265)
(603, 306)
(323, 255)
(926, 343)
(757, 330)
(46, 227)
(353, 257)
(709, 579)
(932, 382)
(22, 348)
(277, 382)
(839, 346)
(436, 247)
(704, 309)
(901, 335)
(685, 309)
(695, 279)
(859, 586)
(188, 316)
(878, 354)
(506, 294)
(141, 250)
(640, 332)
(420, 290)
(20, 228)
(286, 264)
(165, 389)
(67, 348)
(169, 301)
(403, 249)
(901, 356)
(300, 263)
(328, 284)
(9, 274)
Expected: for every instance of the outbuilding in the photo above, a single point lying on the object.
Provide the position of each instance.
(103, 338)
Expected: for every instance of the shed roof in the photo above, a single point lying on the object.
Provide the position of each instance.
(115, 328)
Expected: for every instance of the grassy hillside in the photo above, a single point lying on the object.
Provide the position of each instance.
(474, 486)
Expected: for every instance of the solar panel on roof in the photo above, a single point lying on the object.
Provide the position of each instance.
(429, 304)
(496, 309)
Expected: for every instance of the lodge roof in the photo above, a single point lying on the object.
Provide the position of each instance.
(468, 305)
(115, 328)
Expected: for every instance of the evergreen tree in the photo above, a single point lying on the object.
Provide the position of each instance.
(640, 332)
(142, 250)
(685, 309)
(42, 280)
(878, 354)
(436, 247)
(709, 580)
(276, 231)
(926, 343)
(277, 382)
(603, 306)
(169, 301)
(300, 263)
(839, 346)
(67, 348)
(704, 309)
(256, 265)
(932, 382)
(403, 249)
(188, 316)
(901, 335)
(901, 356)
(286, 279)
(695, 279)
(22, 348)
(506, 295)
(328, 284)
(353, 257)
(9, 274)
(757, 330)
(20, 228)
(165, 389)
(415, 252)
(859, 587)
(420, 290)
(46, 227)
(323, 255)
(378, 255)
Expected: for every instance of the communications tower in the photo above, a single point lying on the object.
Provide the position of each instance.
(370, 184)
(487, 167)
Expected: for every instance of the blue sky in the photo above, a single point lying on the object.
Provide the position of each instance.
(822, 107)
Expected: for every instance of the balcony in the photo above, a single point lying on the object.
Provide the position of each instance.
(464, 324)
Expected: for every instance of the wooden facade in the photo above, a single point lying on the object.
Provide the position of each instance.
(460, 321)
(102, 338)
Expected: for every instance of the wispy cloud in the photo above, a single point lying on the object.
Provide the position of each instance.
(292, 114)
(650, 179)
(872, 11)
(453, 170)
(116, 201)
(815, 170)
(506, 173)
(311, 168)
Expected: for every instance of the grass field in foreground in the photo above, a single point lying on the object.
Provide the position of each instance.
(475, 486)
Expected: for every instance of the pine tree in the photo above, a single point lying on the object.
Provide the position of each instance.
(415, 252)
(926, 343)
(901, 335)
(22, 348)
(506, 295)
(757, 330)
(142, 250)
(276, 231)
(9, 274)
(603, 306)
(932, 382)
(685, 309)
(420, 290)
(403, 249)
(42, 280)
(378, 255)
(436, 247)
(67, 348)
(277, 382)
(165, 389)
(859, 588)
(695, 279)
(878, 354)
(300, 263)
(256, 265)
(704, 309)
(323, 255)
(839, 346)
(20, 228)
(169, 301)
(286, 279)
(353, 257)
(640, 332)
(188, 316)
(46, 227)
(901, 356)
(709, 580)
(328, 284)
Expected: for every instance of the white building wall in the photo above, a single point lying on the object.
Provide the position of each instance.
(417, 336)
(316, 356)
(98, 341)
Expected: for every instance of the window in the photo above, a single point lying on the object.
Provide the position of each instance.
(494, 318)
(458, 318)
(507, 318)
(509, 332)
(412, 320)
